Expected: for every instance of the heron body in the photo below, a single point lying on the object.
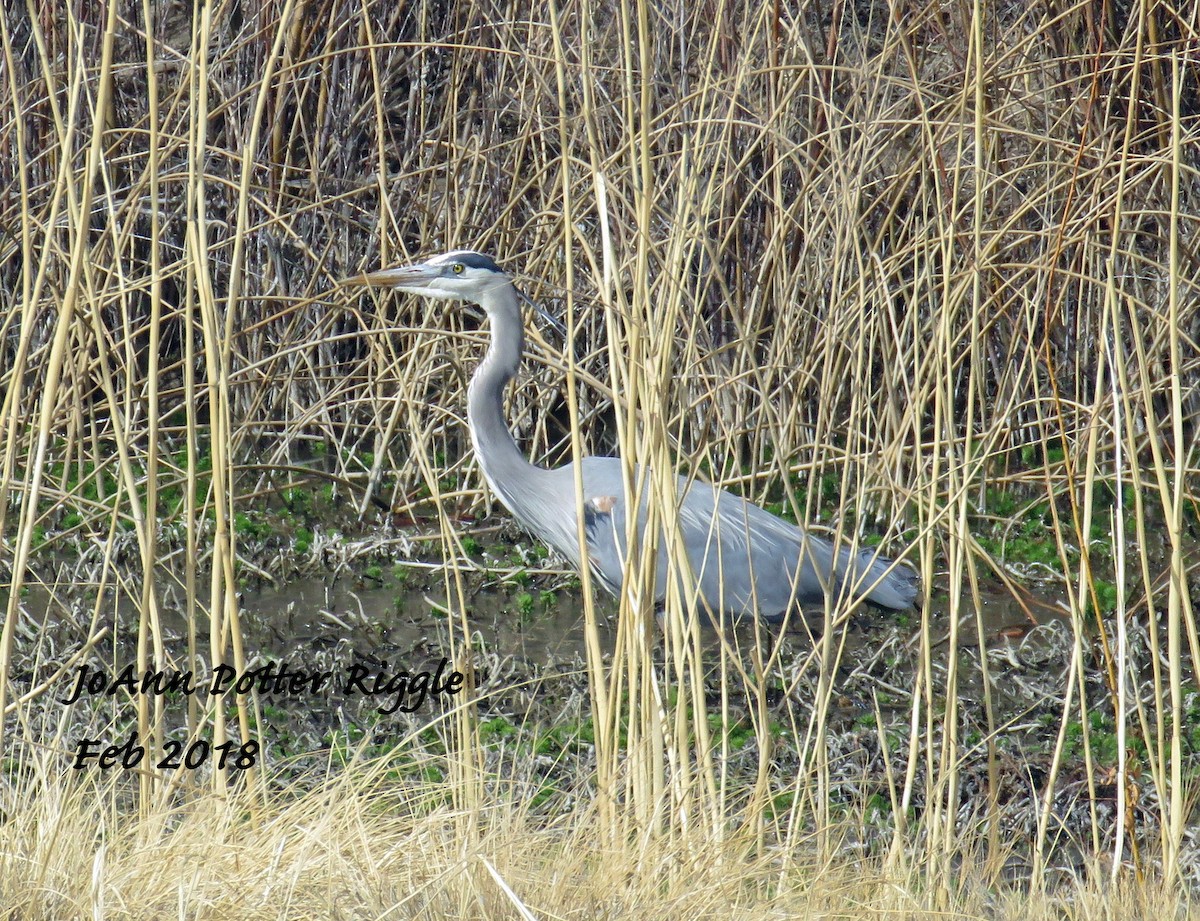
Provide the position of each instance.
(743, 559)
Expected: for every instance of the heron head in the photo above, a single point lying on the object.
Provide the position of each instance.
(460, 275)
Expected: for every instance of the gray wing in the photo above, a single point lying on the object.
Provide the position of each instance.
(744, 559)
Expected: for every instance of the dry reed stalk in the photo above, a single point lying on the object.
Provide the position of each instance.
(859, 268)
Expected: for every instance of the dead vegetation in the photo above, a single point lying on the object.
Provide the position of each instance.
(919, 273)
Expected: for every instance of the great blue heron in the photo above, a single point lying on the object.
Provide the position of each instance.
(744, 559)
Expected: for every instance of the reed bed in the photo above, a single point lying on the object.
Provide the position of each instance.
(918, 274)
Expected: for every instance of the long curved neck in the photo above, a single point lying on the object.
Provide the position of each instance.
(509, 474)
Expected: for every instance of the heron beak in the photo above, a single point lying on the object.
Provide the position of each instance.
(414, 278)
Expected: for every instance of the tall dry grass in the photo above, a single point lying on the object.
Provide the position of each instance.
(915, 252)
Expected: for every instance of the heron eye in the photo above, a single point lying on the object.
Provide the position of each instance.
(457, 268)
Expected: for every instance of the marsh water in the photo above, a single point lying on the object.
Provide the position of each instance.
(287, 619)
(529, 680)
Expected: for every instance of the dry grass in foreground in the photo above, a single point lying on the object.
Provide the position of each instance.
(920, 274)
(362, 847)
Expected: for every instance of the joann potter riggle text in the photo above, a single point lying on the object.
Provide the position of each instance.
(401, 690)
